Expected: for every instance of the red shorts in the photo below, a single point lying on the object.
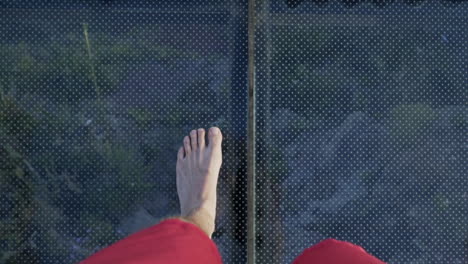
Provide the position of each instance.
(175, 241)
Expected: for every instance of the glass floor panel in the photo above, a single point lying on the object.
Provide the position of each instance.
(96, 98)
(361, 125)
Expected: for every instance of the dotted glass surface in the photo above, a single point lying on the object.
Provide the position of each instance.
(96, 98)
(360, 133)
(362, 128)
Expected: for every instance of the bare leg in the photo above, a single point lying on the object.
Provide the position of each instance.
(198, 166)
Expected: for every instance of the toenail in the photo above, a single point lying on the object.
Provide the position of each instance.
(193, 132)
(214, 131)
(201, 130)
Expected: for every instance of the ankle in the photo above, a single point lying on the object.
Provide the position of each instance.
(201, 218)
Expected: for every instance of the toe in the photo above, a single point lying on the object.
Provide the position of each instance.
(187, 147)
(194, 140)
(215, 137)
(201, 138)
(180, 154)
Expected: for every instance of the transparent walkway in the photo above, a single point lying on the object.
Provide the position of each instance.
(345, 119)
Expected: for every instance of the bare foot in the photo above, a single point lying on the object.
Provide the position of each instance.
(198, 166)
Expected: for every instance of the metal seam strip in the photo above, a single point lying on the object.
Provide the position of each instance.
(251, 137)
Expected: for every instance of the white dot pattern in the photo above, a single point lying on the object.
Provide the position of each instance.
(361, 124)
(361, 128)
(96, 98)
